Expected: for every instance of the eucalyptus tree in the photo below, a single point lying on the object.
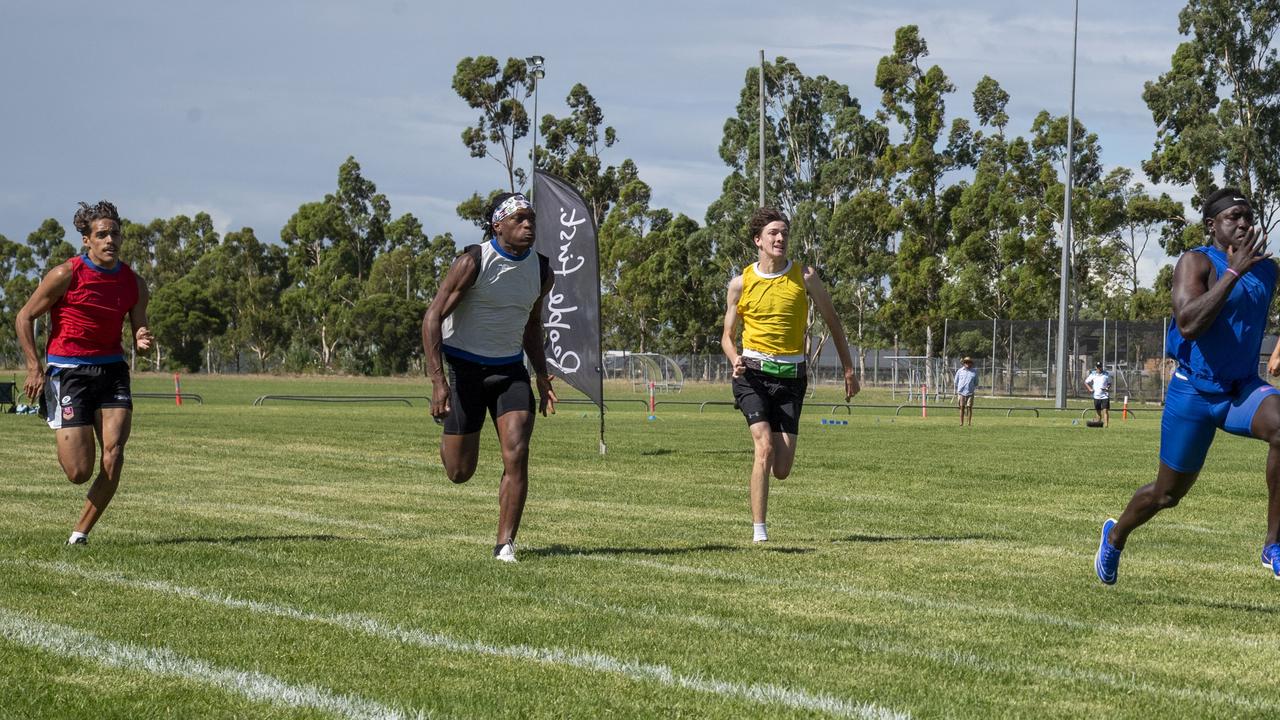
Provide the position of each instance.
(1217, 108)
(917, 168)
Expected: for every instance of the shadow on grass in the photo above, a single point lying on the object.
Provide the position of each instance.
(237, 539)
(560, 550)
(742, 451)
(859, 538)
(657, 451)
(787, 550)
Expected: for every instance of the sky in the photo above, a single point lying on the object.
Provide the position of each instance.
(245, 110)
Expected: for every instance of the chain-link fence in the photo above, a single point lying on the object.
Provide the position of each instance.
(1016, 358)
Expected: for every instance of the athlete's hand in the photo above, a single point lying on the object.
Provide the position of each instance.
(851, 386)
(546, 396)
(440, 406)
(1273, 366)
(1251, 252)
(143, 338)
(34, 384)
(739, 366)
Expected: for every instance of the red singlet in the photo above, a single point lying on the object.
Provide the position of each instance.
(86, 321)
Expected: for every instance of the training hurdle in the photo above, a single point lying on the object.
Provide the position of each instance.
(171, 396)
(341, 398)
(1086, 411)
(897, 409)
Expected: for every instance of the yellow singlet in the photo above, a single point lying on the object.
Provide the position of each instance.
(774, 311)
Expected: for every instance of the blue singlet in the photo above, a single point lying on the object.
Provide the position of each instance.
(1216, 384)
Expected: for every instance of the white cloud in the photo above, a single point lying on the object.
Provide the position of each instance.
(253, 117)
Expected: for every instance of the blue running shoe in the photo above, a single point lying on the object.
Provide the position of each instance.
(1107, 561)
(1271, 558)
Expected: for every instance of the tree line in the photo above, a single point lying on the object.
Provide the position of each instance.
(914, 211)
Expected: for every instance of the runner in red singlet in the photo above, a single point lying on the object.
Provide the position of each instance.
(83, 387)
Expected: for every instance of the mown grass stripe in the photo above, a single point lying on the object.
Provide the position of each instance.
(956, 658)
(759, 693)
(259, 687)
(918, 601)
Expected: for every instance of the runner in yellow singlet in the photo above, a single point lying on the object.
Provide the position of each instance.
(771, 297)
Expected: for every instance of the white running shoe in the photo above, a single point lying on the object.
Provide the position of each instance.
(505, 552)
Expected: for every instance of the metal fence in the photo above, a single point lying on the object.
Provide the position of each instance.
(1013, 358)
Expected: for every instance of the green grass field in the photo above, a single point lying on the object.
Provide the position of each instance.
(303, 560)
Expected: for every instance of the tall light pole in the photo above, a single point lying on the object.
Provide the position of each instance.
(761, 168)
(536, 71)
(1060, 397)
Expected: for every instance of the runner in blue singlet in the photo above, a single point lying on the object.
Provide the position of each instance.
(1221, 295)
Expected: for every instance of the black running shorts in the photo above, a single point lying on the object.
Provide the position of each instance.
(1100, 405)
(765, 398)
(475, 389)
(72, 396)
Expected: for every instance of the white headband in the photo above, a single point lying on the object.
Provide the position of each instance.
(509, 206)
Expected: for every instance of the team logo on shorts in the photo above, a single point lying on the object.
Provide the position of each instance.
(66, 399)
(68, 413)
(122, 397)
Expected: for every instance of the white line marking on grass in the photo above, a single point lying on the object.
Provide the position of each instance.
(759, 693)
(259, 687)
(1017, 613)
(956, 658)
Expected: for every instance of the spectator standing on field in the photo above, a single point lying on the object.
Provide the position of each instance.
(966, 385)
(1099, 383)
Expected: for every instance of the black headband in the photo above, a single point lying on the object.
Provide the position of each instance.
(1224, 202)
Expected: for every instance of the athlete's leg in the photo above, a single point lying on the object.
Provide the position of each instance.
(112, 427)
(1266, 426)
(784, 453)
(761, 467)
(1169, 487)
(514, 430)
(960, 405)
(460, 441)
(459, 454)
(77, 449)
(1106, 415)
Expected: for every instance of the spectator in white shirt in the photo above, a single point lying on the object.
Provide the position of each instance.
(1099, 383)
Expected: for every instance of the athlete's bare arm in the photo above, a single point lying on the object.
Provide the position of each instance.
(47, 294)
(822, 299)
(462, 274)
(535, 349)
(138, 318)
(1195, 304)
(727, 342)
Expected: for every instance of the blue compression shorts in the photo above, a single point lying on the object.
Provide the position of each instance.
(1191, 417)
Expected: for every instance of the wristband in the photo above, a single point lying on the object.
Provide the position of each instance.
(1233, 272)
